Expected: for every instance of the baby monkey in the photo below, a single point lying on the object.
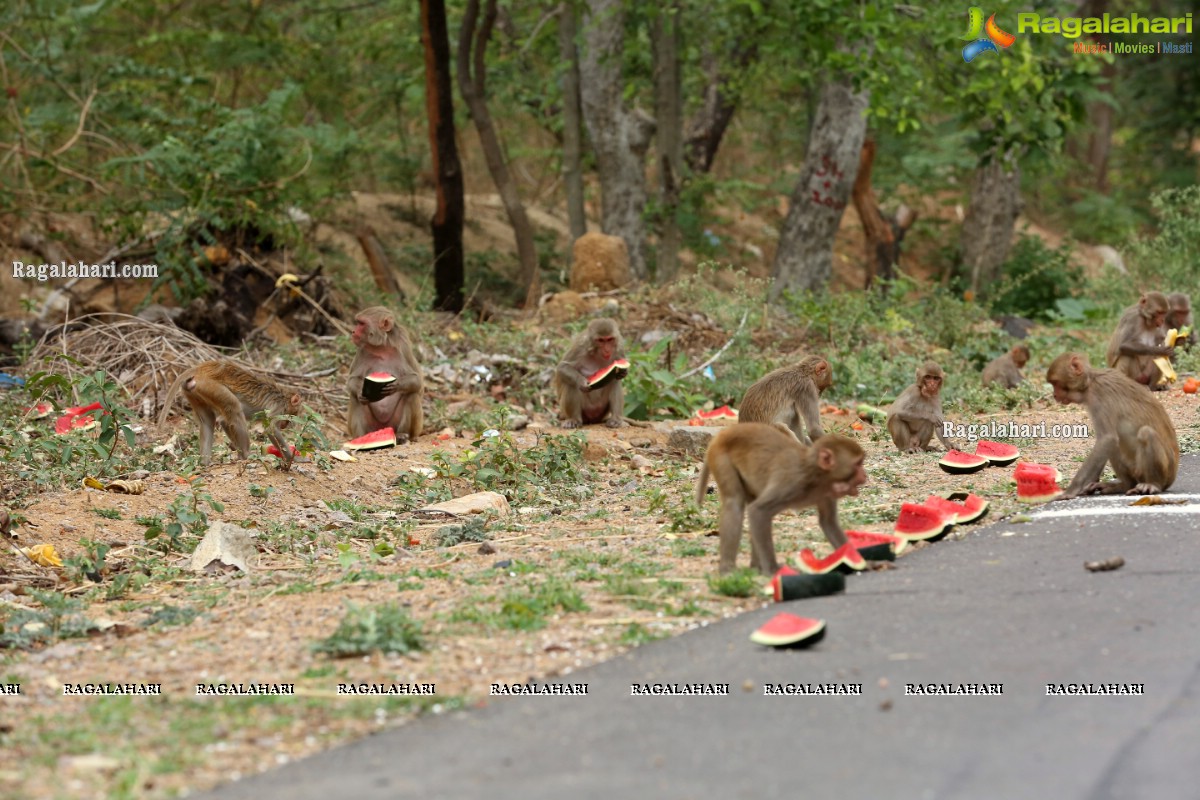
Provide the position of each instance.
(223, 390)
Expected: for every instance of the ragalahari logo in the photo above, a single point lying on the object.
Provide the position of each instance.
(978, 43)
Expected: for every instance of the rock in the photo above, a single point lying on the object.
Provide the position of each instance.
(518, 422)
(1112, 258)
(601, 263)
(594, 452)
(563, 307)
(690, 441)
(226, 545)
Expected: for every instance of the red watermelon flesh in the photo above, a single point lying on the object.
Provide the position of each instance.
(949, 509)
(864, 539)
(918, 522)
(789, 630)
(998, 453)
(846, 555)
(272, 450)
(39, 411)
(384, 437)
(776, 581)
(1036, 483)
(724, 412)
(956, 462)
(381, 376)
(973, 505)
(606, 375)
(77, 418)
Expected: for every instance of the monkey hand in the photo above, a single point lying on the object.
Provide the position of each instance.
(570, 424)
(389, 388)
(1145, 488)
(614, 422)
(584, 386)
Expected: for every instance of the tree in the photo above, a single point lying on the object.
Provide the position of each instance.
(572, 157)
(472, 83)
(620, 136)
(668, 111)
(447, 222)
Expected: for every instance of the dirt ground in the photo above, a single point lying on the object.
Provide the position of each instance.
(260, 627)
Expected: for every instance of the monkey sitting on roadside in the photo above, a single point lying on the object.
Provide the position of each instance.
(1005, 370)
(384, 346)
(1138, 339)
(790, 396)
(223, 390)
(1133, 433)
(916, 416)
(578, 404)
(761, 470)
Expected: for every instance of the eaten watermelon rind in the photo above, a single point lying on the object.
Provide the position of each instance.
(956, 462)
(384, 437)
(845, 559)
(998, 454)
(798, 587)
(789, 630)
(974, 506)
(867, 541)
(606, 375)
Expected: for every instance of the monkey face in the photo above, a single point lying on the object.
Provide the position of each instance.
(1064, 395)
(1158, 320)
(605, 347)
(930, 386)
(857, 476)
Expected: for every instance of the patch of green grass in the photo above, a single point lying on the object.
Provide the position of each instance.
(688, 548)
(385, 628)
(171, 616)
(107, 513)
(742, 583)
(636, 633)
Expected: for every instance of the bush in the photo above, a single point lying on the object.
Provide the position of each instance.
(1035, 279)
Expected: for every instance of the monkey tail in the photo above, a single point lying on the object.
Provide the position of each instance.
(172, 393)
(702, 484)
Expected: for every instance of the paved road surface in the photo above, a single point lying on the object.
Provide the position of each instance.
(1009, 604)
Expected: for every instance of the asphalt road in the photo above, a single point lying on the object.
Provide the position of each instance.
(1009, 604)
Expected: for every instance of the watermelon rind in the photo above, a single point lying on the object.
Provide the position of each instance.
(998, 454)
(372, 386)
(956, 462)
(918, 522)
(866, 540)
(606, 375)
(845, 559)
(974, 506)
(798, 587)
(789, 630)
(384, 437)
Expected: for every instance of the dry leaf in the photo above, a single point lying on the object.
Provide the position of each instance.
(127, 487)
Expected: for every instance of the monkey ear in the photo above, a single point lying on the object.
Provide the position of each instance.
(385, 324)
(825, 458)
(1076, 365)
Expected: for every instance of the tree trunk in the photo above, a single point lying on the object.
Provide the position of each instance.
(472, 83)
(880, 240)
(447, 222)
(1101, 114)
(804, 260)
(572, 158)
(712, 119)
(620, 137)
(987, 231)
(669, 117)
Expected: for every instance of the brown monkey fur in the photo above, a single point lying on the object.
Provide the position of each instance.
(1138, 339)
(1006, 369)
(384, 346)
(916, 416)
(1133, 433)
(790, 396)
(591, 351)
(761, 470)
(1179, 314)
(223, 390)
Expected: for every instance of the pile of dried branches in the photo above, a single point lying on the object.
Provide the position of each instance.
(145, 357)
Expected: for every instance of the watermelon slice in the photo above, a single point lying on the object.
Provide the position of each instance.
(974, 507)
(877, 546)
(845, 559)
(956, 462)
(613, 372)
(997, 453)
(797, 587)
(384, 437)
(788, 630)
(272, 450)
(919, 522)
(1036, 483)
(724, 412)
(39, 411)
(77, 418)
(373, 384)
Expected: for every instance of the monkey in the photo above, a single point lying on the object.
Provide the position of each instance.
(917, 413)
(1138, 339)
(1134, 434)
(761, 470)
(1005, 370)
(223, 390)
(1179, 315)
(384, 346)
(590, 351)
(791, 396)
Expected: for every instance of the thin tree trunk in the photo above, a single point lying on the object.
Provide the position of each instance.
(572, 163)
(669, 117)
(880, 240)
(472, 84)
(991, 218)
(620, 137)
(447, 222)
(707, 128)
(804, 260)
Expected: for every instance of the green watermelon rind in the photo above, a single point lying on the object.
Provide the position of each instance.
(798, 587)
(997, 460)
(805, 631)
(962, 498)
(896, 543)
(376, 440)
(956, 462)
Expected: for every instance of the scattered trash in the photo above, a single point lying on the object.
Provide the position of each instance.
(1106, 565)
